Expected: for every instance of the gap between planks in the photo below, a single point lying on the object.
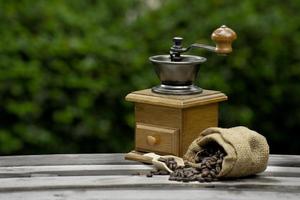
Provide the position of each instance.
(163, 194)
(65, 159)
(88, 170)
(286, 184)
(109, 159)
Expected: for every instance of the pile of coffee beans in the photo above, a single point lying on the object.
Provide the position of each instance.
(170, 162)
(208, 166)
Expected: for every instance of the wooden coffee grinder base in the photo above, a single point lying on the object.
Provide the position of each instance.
(167, 124)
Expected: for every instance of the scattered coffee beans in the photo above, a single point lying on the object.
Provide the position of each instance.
(149, 175)
(208, 166)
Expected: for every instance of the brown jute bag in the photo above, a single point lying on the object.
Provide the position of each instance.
(247, 151)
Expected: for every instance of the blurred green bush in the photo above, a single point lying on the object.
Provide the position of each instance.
(66, 66)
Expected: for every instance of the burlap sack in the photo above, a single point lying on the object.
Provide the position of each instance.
(247, 151)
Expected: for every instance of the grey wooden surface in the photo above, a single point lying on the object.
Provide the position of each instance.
(109, 176)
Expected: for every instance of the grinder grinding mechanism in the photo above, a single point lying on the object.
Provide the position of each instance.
(177, 72)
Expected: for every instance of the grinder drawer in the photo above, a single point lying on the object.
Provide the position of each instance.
(150, 138)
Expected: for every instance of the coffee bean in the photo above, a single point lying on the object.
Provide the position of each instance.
(200, 179)
(204, 167)
(185, 180)
(208, 165)
(172, 166)
(213, 163)
(203, 161)
(214, 158)
(178, 179)
(208, 179)
(194, 171)
(189, 174)
(219, 161)
(205, 173)
(197, 160)
(163, 172)
(187, 164)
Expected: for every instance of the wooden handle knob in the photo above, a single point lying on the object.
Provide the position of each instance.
(223, 37)
(151, 140)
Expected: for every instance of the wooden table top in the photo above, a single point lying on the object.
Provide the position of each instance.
(109, 176)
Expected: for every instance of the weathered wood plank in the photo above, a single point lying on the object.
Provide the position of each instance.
(89, 170)
(203, 194)
(285, 184)
(284, 160)
(282, 171)
(65, 159)
(94, 176)
(110, 159)
(73, 170)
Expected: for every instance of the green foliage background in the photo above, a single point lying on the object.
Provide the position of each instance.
(66, 66)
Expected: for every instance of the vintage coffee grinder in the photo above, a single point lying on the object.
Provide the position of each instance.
(171, 115)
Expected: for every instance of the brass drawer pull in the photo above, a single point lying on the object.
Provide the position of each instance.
(151, 140)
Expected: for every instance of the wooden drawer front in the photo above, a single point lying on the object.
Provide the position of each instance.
(157, 115)
(156, 139)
